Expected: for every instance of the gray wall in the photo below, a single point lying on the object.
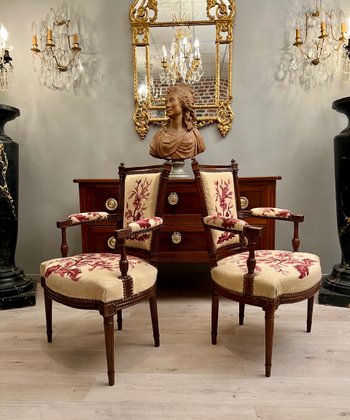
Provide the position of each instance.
(279, 129)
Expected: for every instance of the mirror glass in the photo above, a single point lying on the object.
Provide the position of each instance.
(182, 41)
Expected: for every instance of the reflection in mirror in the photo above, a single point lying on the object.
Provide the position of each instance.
(182, 41)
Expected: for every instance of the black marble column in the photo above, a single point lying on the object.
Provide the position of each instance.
(335, 289)
(16, 290)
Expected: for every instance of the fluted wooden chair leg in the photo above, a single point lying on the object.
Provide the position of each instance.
(214, 317)
(120, 320)
(269, 330)
(109, 341)
(48, 314)
(154, 318)
(310, 308)
(241, 313)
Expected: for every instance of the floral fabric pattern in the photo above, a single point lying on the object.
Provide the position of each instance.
(140, 203)
(271, 212)
(220, 200)
(96, 276)
(276, 272)
(144, 224)
(72, 267)
(280, 261)
(225, 222)
(91, 216)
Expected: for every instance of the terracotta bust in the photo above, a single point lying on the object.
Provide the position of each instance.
(179, 139)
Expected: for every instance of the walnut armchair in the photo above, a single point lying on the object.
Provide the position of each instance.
(110, 282)
(240, 272)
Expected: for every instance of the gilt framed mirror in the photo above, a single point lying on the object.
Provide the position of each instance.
(187, 41)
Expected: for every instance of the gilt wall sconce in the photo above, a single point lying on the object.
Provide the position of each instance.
(58, 49)
(319, 50)
(6, 68)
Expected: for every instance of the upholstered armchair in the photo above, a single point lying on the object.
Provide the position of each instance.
(239, 271)
(110, 282)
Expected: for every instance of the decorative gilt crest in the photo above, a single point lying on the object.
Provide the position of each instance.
(140, 11)
(221, 9)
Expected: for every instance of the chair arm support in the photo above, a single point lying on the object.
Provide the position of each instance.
(77, 219)
(277, 214)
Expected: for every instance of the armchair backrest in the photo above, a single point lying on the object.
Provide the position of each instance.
(141, 195)
(218, 189)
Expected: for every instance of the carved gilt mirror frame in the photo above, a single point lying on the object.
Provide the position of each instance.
(215, 28)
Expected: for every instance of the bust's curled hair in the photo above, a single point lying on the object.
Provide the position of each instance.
(186, 97)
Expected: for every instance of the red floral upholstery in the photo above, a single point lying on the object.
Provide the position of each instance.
(141, 192)
(276, 272)
(91, 216)
(272, 212)
(220, 202)
(96, 276)
(225, 222)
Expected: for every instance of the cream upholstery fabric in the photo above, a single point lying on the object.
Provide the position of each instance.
(271, 212)
(220, 200)
(276, 273)
(144, 224)
(91, 216)
(95, 276)
(140, 200)
(225, 222)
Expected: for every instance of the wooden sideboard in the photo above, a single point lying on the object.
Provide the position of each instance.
(182, 237)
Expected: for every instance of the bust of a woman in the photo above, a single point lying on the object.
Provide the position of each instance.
(179, 139)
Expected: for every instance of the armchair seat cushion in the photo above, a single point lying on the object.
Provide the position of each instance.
(276, 273)
(95, 276)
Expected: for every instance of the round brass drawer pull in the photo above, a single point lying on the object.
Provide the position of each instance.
(244, 202)
(111, 242)
(111, 204)
(176, 238)
(173, 198)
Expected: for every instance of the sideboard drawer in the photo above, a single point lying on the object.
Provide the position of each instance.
(181, 198)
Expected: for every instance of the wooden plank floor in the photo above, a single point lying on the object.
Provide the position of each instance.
(186, 377)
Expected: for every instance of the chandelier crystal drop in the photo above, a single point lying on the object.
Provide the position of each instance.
(7, 77)
(185, 63)
(59, 52)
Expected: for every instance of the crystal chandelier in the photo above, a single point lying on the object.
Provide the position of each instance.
(185, 64)
(345, 67)
(59, 50)
(6, 68)
(318, 51)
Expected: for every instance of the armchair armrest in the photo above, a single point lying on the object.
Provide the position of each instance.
(87, 217)
(145, 225)
(224, 223)
(277, 214)
(274, 213)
